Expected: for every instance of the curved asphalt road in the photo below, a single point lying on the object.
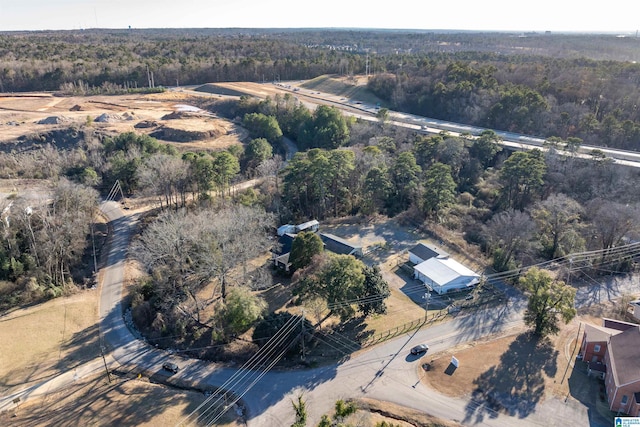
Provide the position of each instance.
(386, 372)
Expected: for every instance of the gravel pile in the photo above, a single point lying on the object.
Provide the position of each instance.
(53, 120)
(108, 118)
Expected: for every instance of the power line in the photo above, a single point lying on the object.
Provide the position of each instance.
(248, 375)
(215, 408)
(220, 409)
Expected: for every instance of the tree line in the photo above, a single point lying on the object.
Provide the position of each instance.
(519, 207)
(563, 88)
(590, 100)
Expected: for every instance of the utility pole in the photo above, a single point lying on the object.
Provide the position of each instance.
(426, 297)
(302, 336)
(104, 360)
(93, 243)
(367, 66)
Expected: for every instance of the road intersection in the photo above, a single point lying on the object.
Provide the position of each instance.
(385, 372)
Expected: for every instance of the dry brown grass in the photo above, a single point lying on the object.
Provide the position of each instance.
(96, 402)
(41, 341)
(400, 310)
(503, 365)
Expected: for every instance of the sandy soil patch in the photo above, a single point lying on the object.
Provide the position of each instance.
(19, 116)
(400, 416)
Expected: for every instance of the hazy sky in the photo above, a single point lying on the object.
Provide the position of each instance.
(533, 15)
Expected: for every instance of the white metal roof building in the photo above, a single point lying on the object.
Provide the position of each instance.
(444, 274)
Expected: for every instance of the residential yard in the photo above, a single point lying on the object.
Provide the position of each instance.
(514, 373)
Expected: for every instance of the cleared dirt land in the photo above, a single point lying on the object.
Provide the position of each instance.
(168, 116)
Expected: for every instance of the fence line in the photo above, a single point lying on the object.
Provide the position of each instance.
(402, 329)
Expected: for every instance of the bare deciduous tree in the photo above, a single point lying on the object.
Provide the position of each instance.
(185, 251)
(60, 231)
(611, 221)
(165, 177)
(510, 235)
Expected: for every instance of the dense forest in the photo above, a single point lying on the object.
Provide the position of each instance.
(508, 209)
(568, 86)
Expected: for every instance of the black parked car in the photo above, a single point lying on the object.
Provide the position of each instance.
(419, 349)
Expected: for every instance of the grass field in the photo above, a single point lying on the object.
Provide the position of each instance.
(341, 86)
(41, 341)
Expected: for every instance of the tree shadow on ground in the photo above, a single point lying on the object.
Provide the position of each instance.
(82, 347)
(338, 343)
(96, 402)
(516, 384)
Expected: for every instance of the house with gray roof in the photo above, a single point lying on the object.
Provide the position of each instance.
(623, 372)
(340, 246)
(612, 352)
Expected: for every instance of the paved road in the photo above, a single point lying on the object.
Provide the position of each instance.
(383, 372)
(386, 372)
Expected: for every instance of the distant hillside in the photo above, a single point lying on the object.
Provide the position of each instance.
(354, 88)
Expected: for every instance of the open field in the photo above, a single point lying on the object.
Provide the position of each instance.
(123, 402)
(44, 340)
(348, 87)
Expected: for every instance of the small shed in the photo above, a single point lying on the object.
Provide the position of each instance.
(340, 246)
(422, 252)
(282, 261)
